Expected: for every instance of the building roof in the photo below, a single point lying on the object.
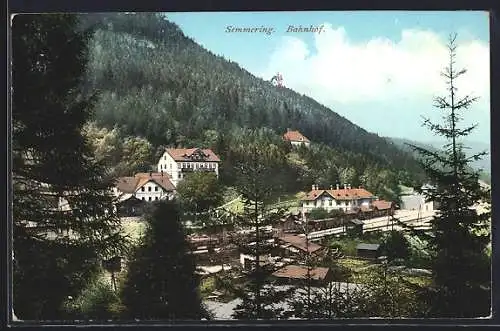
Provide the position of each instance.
(295, 136)
(300, 243)
(127, 184)
(132, 184)
(192, 154)
(369, 247)
(381, 204)
(340, 194)
(300, 272)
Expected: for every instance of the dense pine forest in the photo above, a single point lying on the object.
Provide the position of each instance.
(157, 84)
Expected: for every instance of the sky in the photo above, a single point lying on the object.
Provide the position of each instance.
(380, 70)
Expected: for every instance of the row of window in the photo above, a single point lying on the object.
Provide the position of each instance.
(149, 189)
(330, 203)
(191, 165)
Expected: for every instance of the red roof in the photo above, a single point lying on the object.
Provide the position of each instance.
(132, 184)
(340, 194)
(300, 243)
(190, 154)
(382, 204)
(295, 136)
(300, 272)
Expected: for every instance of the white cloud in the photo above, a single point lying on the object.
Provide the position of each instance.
(339, 70)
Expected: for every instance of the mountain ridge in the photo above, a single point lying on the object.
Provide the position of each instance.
(158, 83)
(471, 148)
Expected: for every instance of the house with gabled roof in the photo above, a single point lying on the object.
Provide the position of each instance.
(145, 187)
(179, 162)
(296, 138)
(345, 199)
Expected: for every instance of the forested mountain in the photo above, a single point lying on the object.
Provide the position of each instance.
(471, 148)
(155, 82)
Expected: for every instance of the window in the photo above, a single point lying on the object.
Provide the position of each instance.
(156, 188)
(142, 198)
(149, 199)
(170, 165)
(331, 203)
(142, 189)
(149, 188)
(156, 198)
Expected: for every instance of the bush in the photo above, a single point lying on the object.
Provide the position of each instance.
(98, 301)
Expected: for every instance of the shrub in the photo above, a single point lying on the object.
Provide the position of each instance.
(98, 301)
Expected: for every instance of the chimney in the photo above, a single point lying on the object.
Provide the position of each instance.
(331, 187)
(150, 173)
(337, 186)
(313, 187)
(288, 129)
(345, 186)
(348, 186)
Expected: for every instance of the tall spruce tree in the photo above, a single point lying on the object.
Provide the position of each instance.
(63, 219)
(260, 299)
(459, 234)
(161, 282)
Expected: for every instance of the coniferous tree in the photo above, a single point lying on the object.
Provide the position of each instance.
(161, 282)
(260, 300)
(459, 234)
(64, 223)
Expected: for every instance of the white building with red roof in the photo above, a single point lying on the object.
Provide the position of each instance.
(178, 162)
(144, 186)
(296, 138)
(345, 199)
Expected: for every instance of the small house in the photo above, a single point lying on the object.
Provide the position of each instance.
(368, 251)
(297, 274)
(296, 138)
(293, 245)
